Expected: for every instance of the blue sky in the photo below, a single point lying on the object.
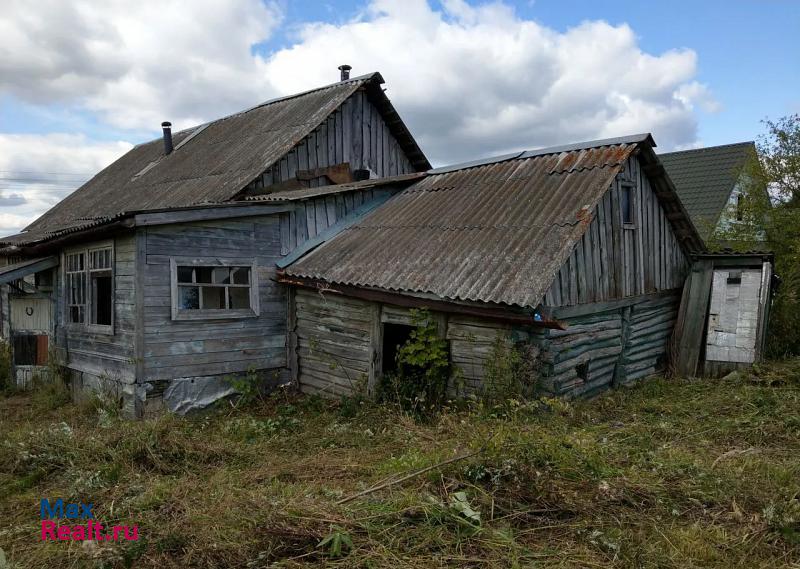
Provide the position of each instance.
(83, 80)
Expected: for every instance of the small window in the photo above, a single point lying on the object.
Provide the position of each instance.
(101, 284)
(582, 371)
(89, 287)
(213, 291)
(739, 208)
(626, 204)
(76, 288)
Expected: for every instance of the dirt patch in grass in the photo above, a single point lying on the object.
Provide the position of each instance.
(672, 473)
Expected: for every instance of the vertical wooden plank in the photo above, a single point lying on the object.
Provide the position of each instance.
(375, 349)
(344, 133)
(322, 146)
(320, 214)
(573, 278)
(284, 222)
(330, 210)
(140, 268)
(358, 127)
(602, 248)
(617, 243)
(311, 219)
(340, 207)
(582, 266)
(302, 224)
(292, 230)
(638, 192)
(330, 139)
(291, 339)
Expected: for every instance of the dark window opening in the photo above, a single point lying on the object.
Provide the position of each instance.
(739, 208)
(582, 371)
(102, 299)
(394, 336)
(627, 204)
(735, 277)
(30, 349)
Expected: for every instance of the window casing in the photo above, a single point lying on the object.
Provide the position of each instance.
(89, 289)
(626, 204)
(209, 289)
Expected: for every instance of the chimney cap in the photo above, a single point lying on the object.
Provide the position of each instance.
(166, 124)
(345, 69)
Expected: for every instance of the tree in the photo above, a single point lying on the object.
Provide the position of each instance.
(770, 219)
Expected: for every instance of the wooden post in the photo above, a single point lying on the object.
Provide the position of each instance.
(291, 339)
(619, 369)
(375, 350)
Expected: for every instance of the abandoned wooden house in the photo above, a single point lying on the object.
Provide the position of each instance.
(581, 250)
(301, 232)
(155, 279)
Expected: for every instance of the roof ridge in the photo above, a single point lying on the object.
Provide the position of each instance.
(706, 148)
(522, 154)
(193, 129)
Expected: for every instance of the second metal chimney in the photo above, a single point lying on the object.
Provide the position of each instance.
(345, 69)
(167, 128)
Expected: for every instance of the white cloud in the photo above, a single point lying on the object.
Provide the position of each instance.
(43, 169)
(469, 80)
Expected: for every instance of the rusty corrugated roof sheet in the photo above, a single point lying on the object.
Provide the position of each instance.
(490, 231)
(211, 163)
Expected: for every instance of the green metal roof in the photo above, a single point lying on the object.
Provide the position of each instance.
(705, 178)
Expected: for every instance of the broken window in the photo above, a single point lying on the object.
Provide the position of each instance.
(89, 287)
(221, 289)
(76, 288)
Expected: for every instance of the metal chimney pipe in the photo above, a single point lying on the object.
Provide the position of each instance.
(345, 69)
(167, 128)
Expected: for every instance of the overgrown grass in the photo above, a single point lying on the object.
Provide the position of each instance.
(669, 474)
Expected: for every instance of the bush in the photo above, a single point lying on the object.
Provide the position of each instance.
(423, 369)
(510, 372)
(6, 380)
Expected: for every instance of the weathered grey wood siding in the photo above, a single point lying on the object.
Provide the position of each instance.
(108, 356)
(355, 133)
(201, 348)
(617, 345)
(472, 345)
(333, 337)
(614, 260)
(314, 215)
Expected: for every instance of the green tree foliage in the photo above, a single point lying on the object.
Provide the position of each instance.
(770, 219)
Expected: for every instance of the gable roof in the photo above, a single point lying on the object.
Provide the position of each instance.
(493, 230)
(213, 162)
(705, 178)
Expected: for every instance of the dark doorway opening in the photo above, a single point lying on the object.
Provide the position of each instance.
(394, 336)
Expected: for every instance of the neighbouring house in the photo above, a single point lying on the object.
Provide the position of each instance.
(710, 182)
(293, 239)
(156, 279)
(580, 250)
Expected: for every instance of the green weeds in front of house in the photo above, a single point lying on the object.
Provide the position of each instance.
(672, 473)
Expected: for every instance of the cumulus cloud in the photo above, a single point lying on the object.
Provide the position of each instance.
(36, 171)
(469, 80)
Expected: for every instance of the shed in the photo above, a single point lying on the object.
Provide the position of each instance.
(579, 250)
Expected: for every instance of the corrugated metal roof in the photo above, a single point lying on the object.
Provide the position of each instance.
(306, 193)
(705, 178)
(213, 162)
(495, 232)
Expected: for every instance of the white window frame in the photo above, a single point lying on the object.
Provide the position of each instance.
(213, 314)
(86, 325)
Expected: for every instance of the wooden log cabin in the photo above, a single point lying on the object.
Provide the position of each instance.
(155, 280)
(302, 232)
(580, 250)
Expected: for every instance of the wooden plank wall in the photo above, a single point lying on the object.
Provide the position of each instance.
(333, 337)
(102, 355)
(612, 261)
(314, 215)
(176, 349)
(618, 345)
(472, 342)
(355, 133)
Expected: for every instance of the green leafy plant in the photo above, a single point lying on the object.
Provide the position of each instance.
(510, 373)
(336, 543)
(248, 386)
(423, 369)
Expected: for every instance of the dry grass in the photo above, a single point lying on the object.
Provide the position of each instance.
(669, 474)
